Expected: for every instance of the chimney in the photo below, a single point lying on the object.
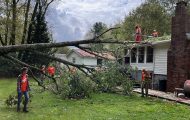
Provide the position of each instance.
(179, 52)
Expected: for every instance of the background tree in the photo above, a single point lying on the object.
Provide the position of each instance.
(95, 31)
(39, 34)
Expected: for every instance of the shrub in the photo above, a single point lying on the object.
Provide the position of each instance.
(75, 86)
(112, 76)
(12, 100)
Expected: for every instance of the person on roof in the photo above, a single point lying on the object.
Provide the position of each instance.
(138, 34)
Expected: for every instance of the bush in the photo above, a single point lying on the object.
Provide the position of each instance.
(12, 100)
(112, 76)
(75, 86)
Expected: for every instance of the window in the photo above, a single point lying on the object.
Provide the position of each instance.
(99, 61)
(149, 58)
(125, 52)
(133, 55)
(127, 60)
(141, 55)
(73, 59)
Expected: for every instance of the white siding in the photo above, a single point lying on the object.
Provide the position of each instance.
(140, 66)
(78, 58)
(82, 60)
(160, 59)
(90, 61)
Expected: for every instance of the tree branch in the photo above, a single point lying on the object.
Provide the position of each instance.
(13, 48)
(27, 65)
(93, 53)
(61, 60)
(47, 7)
(1, 40)
(96, 37)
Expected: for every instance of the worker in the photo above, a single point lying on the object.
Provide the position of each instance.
(51, 71)
(22, 89)
(155, 33)
(73, 70)
(138, 34)
(145, 82)
(43, 71)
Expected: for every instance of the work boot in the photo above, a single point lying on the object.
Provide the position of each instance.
(24, 110)
(18, 109)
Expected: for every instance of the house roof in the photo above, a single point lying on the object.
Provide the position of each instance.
(83, 53)
(86, 54)
(62, 56)
(161, 42)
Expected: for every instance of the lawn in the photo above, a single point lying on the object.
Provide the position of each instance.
(47, 106)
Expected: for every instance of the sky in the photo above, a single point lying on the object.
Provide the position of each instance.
(72, 19)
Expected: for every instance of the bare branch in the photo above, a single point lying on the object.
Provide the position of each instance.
(93, 53)
(61, 60)
(106, 32)
(25, 22)
(17, 1)
(25, 64)
(47, 7)
(1, 40)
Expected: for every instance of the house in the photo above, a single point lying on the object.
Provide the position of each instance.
(153, 58)
(81, 57)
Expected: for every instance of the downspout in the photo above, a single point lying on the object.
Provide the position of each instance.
(153, 67)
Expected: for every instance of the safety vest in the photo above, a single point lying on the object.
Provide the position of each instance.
(51, 70)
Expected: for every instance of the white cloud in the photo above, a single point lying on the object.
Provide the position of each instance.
(71, 19)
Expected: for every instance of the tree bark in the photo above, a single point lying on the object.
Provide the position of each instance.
(14, 15)
(7, 24)
(13, 48)
(32, 22)
(26, 22)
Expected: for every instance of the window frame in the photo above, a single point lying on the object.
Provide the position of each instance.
(133, 58)
(141, 54)
(148, 54)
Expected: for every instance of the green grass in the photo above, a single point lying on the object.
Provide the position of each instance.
(47, 106)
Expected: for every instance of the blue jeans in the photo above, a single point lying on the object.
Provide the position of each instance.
(20, 99)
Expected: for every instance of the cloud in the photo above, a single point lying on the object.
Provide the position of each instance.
(71, 19)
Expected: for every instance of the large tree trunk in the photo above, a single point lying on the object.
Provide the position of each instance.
(32, 22)
(13, 48)
(13, 31)
(7, 23)
(26, 22)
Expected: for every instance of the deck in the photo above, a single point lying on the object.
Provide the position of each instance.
(165, 95)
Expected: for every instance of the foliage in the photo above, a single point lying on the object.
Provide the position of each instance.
(12, 100)
(40, 34)
(8, 68)
(75, 85)
(153, 39)
(151, 15)
(62, 50)
(96, 30)
(112, 76)
(101, 106)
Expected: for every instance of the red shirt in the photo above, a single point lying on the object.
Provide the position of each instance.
(138, 35)
(24, 83)
(143, 76)
(51, 70)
